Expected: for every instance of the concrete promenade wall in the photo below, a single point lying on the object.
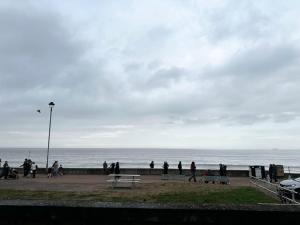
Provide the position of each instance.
(33, 213)
(144, 171)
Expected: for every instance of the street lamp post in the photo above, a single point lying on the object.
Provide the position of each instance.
(51, 105)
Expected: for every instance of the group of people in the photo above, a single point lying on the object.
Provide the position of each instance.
(166, 167)
(179, 166)
(112, 168)
(222, 170)
(29, 168)
(55, 170)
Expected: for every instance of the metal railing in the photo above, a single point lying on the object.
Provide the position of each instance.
(277, 190)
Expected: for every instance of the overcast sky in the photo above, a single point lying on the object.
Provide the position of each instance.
(195, 74)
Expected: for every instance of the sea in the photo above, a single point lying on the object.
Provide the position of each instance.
(141, 157)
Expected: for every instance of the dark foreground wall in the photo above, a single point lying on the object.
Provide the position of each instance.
(141, 214)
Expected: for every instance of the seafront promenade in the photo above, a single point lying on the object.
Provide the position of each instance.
(144, 171)
(90, 183)
(81, 195)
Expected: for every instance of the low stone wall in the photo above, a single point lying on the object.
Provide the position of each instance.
(33, 213)
(143, 171)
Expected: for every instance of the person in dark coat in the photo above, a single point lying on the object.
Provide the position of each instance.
(193, 172)
(112, 167)
(223, 170)
(180, 168)
(117, 169)
(151, 165)
(165, 167)
(25, 167)
(5, 170)
(105, 167)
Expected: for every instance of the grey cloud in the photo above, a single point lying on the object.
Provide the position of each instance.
(135, 78)
(262, 60)
(244, 20)
(165, 77)
(35, 48)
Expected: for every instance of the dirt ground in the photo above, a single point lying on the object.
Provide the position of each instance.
(98, 183)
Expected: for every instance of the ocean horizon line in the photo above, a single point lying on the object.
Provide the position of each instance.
(163, 148)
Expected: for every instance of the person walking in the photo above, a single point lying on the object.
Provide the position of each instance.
(193, 171)
(180, 168)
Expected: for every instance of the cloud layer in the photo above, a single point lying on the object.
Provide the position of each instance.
(217, 74)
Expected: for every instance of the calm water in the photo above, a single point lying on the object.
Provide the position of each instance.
(140, 158)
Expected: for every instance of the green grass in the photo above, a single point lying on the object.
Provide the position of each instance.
(241, 195)
(238, 195)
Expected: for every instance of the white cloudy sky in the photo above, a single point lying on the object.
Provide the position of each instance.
(156, 73)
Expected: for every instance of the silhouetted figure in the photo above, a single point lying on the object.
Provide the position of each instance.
(5, 170)
(180, 168)
(117, 169)
(105, 167)
(193, 172)
(151, 165)
(112, 167)
(26, 167)
(60, 170)
(165, 167)
(223, 170)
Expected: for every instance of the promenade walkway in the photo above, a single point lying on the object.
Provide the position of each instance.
(98, 182)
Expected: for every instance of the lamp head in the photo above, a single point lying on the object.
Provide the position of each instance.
(51, 104)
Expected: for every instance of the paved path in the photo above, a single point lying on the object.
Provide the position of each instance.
(97, 183)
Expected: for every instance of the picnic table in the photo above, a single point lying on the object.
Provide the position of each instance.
(123, 180)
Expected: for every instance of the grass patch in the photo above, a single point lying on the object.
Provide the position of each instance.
(241, 195)
(237, 195)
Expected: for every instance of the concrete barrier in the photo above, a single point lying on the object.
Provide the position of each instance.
(144, 171)
(33, 213)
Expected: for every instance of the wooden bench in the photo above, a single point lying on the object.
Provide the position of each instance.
(123, 180)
